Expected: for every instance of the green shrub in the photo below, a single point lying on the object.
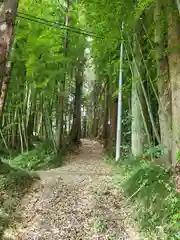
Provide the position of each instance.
(152, 191)
(42, 157)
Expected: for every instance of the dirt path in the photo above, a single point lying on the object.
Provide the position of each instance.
(77, 201)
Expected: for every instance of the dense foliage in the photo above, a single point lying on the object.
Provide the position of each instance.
(49, 99)
(155, 201)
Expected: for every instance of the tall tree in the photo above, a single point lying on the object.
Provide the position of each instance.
(75, 133)
(60, 127)
(7, 19)
(174, 72)
(163, 82)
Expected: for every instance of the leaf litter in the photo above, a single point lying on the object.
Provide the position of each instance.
(78, 201)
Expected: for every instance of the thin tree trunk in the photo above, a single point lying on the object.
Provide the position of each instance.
(112, 118)
(106, 115)
(60, 127)
(137, 127)
(84, 127)
(95, 120)
(75, 133)
(113, 124)
(174, 71)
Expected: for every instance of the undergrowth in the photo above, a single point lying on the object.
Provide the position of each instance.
(42, 157)
(152, 191)
(15, 180)
(14, 183)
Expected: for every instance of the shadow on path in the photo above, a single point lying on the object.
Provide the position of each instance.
(14, 184)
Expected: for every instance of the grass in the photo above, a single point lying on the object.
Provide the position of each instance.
(99, 225)
(14, 183)
(152, 192)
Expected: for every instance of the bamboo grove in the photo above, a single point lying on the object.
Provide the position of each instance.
(150, 73)
(44, 90)
(47, 71)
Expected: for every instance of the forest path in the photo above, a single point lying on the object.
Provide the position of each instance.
(76, 201)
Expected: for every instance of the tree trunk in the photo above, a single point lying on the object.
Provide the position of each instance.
(112, 105)
(105, 130)
(95, 120)
(84, 127)
(75, 133)
(163, 83)
(7, 19)
(174, 71)
(137, 127)
(60, 127)
(31, 122)
(113, 126)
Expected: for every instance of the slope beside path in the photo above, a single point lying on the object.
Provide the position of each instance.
(78, 201)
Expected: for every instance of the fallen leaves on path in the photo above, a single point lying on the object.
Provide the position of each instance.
(77, 201)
